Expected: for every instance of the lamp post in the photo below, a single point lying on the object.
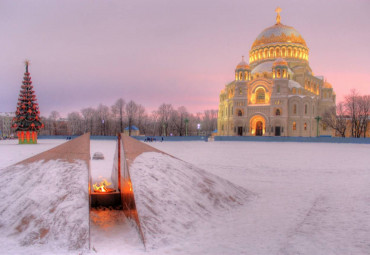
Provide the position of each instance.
(186, 127)
(198, 127)
(318, 118)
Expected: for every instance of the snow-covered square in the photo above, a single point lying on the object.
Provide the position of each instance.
(301, 198)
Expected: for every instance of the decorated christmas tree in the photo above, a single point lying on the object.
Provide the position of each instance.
(27, 120)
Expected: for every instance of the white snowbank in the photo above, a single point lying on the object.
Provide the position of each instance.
(173, 197)
(44, 207)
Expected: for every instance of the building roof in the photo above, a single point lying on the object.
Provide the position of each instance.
(133, 127)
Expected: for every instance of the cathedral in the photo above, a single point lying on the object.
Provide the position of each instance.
(276, 94)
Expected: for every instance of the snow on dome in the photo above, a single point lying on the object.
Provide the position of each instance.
(263, 67)
(280, 62)
(243, 64)
(294, 84)
(174, 197)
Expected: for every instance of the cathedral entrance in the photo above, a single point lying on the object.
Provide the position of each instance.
(257, 124)
(240, 131)
(259, 128)
(277, 131)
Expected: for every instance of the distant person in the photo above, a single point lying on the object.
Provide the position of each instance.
(162, 139)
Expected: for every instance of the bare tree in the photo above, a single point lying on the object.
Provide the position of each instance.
(75, 123)
(209, 121)
(364, 111)
(131, 112)
(88, 115)
(142, 119)
(178, 120)
(54, 117)
(352, 107)
(164, 112)
(336, 119)
(118, 110)
(102, 113)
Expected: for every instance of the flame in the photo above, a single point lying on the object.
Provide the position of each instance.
(102, 186)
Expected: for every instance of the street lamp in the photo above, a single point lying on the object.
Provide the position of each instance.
(198, 127)
(318, 118)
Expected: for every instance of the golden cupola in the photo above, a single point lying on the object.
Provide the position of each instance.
(278, 41)
(242, 71)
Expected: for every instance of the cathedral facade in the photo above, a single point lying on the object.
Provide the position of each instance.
(276, 94)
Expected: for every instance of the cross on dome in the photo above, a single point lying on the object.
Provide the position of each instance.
(278, 10)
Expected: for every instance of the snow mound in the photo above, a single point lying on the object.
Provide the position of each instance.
(45, 205)
(173, 197)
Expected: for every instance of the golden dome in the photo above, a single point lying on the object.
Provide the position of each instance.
(243, 64)
(279, 33)
(327, 85)
(278, 41)
(280, 62)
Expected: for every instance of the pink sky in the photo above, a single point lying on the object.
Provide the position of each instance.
(84, 53)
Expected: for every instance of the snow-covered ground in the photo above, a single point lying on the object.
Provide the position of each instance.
(312, 198)
(307, 199)
(11, 152)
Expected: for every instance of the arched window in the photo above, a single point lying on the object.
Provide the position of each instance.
(294, 109)
(240, 113)
(260, 96)
(305, 126)
(278, 73)
(294, 90)
(294, 125)
(240, 76)
(277, 113)
(305, 109)
(240, 91)
(284, 73)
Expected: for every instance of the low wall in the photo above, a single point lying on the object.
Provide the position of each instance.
(76, 149)
(172, 138)
(293, 139)
(93, 137)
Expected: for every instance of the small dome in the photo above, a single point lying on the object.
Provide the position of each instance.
(243, 64)
(327, 85)
(280, 62)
